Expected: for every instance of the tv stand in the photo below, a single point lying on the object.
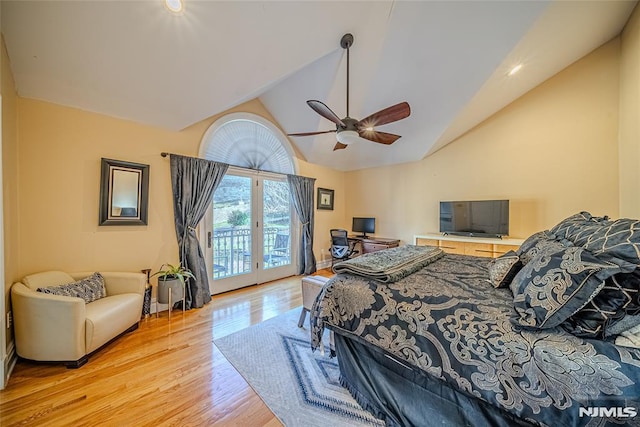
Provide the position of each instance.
(472, 235)
(468, 245)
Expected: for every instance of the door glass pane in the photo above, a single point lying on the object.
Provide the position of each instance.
(232, 227)
(276, 220)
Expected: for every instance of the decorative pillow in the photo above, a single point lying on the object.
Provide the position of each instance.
(532, 240)
(563, 225)
(503, 269)
(627, 322)
(629, 338)
(618, 297)
(577, 228)
(90, 289)
(619, 239)
(552, 287)
(544, 245)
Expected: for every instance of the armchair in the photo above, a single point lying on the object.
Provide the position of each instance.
(66, 329)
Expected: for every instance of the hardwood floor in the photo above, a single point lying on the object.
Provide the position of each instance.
(165, 373)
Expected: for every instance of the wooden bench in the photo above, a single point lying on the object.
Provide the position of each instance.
(311, 287)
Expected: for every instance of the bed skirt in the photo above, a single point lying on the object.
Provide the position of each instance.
(406, 397)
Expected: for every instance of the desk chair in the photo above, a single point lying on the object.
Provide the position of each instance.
(341, 248)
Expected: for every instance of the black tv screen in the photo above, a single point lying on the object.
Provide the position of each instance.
(363, 226)
(482, 218)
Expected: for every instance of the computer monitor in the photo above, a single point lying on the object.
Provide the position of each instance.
(364, 226)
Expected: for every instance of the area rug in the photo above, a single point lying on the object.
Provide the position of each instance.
(300, 387)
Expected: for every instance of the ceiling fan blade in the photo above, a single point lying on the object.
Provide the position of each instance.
(325, 112)
(339, 146)
(379, 137)
(310, 133)
(388, 115)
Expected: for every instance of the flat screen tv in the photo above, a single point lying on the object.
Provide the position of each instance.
(481, 218)
(363, 226)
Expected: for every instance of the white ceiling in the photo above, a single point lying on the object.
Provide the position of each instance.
(448, 59)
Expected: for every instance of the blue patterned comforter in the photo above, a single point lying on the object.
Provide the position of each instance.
(449, 322)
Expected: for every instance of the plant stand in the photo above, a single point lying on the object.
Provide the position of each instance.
(167, 291)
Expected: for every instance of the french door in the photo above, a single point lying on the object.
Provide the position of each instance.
(249, 231)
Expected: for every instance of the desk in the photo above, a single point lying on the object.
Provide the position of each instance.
(372, 244)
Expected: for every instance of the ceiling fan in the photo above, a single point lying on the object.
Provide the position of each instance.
(348, 130)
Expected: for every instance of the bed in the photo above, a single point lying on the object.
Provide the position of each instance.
(425, 338)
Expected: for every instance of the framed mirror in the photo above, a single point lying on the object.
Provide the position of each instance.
(124, 193)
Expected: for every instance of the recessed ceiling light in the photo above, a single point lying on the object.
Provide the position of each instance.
(174, 6)
(514, 70)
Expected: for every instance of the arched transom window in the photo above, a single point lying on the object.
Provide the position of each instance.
(249, 141)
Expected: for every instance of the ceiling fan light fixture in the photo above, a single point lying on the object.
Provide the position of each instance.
(347, 137)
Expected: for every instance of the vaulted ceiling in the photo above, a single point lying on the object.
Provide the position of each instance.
(448, 59)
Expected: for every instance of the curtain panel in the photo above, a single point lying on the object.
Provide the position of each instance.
(193, 181)
(301, 188)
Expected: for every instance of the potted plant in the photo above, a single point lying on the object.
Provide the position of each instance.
(171, 277)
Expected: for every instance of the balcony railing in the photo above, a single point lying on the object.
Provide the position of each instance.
(232, 250)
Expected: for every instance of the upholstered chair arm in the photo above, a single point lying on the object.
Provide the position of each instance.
(48, 327)
(119, 282)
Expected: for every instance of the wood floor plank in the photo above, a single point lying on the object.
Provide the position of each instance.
(164, 373)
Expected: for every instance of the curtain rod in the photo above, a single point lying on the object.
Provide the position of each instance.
(165, 154)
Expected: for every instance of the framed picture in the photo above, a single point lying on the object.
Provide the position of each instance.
(325, 199)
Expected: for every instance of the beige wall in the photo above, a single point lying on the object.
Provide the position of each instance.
(629, 136)
(9, 176)
(325, 220)
(553, 152)
(60, 150)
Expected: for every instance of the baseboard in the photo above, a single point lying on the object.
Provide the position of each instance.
(9, 362)
(158, 306)
(323, 264)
